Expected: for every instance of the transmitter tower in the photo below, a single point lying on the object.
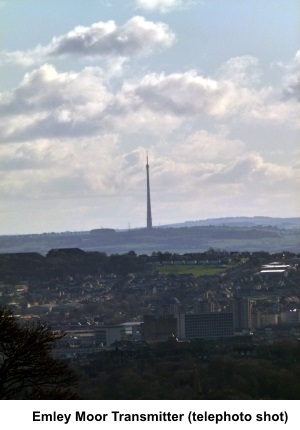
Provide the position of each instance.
(149, 216)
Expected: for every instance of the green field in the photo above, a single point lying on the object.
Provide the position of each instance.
(196, 270)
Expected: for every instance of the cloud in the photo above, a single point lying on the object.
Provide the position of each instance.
(160, 5)
(251, 169)
(205, 147)
(137, 37)
(243, 70)
(52, 104)
(188, 93)
(49, 104)
(100, 175)
(60, 168)
(291, 88)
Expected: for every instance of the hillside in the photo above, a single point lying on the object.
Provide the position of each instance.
(262, 221)
(222, 233)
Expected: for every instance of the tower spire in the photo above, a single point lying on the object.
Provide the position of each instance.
(149, 216)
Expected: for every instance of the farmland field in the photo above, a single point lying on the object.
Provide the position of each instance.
(196, 270)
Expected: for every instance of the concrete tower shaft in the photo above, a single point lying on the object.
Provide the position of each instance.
(149, 216)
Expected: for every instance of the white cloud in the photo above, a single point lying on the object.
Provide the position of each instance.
(23, 58)
(243, 70)
(205, 147)
(74, 139)
(246, 184)
(137, 37)
(188, 93)
(60, 168)
(250, 169)
(52, 104)
(59, 121)
(292, 79)
(160, 5)
(208, 160)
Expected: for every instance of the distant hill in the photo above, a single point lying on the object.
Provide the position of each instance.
(230, 234)
(243, 222)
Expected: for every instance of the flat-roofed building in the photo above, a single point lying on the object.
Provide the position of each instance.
(108, 334)
(290, 317)
(241, 308)
(264, 319)
(205, 325)
(204, 307)
(159, 329)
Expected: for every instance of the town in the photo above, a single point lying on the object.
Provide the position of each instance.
(165, 325)
(98, 300)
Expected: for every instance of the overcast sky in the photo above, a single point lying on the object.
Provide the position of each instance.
(210, 88)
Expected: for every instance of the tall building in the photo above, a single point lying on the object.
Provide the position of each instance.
(149, 216)
(242, 314)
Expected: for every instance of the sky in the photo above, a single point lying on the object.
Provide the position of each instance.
(208, 88)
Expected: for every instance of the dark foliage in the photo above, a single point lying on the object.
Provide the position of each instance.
(27, 369)
(194, 371)
(61, 263)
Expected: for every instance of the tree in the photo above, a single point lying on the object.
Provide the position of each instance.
(27, 368)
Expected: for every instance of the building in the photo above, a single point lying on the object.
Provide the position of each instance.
(205, 326)
(291, 317)
(159, 329)
(241, 308)
(264, 319)
(275, 268)
(204, 307)
(108, 334)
